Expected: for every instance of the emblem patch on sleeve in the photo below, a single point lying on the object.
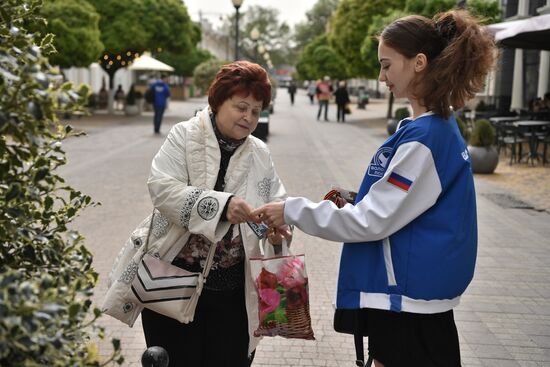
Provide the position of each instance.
(402, 182)
(207, 207)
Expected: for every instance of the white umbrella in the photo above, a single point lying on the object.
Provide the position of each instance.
(147, 62)
(529, 33)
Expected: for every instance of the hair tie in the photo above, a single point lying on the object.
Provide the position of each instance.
(446, 29)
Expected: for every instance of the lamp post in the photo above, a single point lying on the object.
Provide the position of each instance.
(237, 4)
(254, 36)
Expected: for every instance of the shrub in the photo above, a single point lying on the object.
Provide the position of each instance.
(481, 106)
(483, 134)
(46, 278)
(205, 72)
(463, 129)
(401, 113)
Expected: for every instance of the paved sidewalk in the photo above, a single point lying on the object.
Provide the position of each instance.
(504, 317)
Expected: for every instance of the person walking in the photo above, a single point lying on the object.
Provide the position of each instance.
(160, 93)
(342, 99)
(292, 91)
(323, 92)
(119, 98)
(410, 237)
(311, 90)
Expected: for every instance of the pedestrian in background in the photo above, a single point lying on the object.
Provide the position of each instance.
(311, 90)
(323, 92)
(411, 234)
(292, 91)
(161, 92)
(341, 96)
(119, 98)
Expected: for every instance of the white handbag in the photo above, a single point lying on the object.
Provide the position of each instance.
(165, 288)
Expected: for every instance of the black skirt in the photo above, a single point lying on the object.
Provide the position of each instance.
(402, 339)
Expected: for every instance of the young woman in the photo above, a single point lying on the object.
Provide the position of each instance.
(411, 236)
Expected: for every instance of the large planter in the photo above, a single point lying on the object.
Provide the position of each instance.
(131, 110)
(484, 159)
(392, 126)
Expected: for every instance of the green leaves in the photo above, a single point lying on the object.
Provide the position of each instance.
(46, 278)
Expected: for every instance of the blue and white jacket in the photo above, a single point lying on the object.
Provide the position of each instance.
(411, 237)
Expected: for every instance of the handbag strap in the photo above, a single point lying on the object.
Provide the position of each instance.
(284, 248)
(209, 258)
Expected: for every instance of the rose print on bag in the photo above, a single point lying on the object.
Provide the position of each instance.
(269, 301)
(283, 300)
(291, 273)
(266, 280)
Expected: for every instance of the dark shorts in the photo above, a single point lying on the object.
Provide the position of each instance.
(406, 339)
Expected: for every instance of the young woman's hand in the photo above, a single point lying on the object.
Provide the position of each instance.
(272, 214)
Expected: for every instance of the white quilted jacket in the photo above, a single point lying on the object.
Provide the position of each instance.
(183, 175)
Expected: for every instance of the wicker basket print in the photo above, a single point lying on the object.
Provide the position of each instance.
(283, 297)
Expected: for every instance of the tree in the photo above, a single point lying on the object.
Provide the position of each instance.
(275, 36)
(349, 26)
(326, 61)
(167, 28)
(487, 10)
(205, 72)
(319, 59)
(185, 63)
(428, 8)
(75, 23)
(305, 63)
(316, 24)
(46, 278)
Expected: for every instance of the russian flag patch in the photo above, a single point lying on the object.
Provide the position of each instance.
(402, 182)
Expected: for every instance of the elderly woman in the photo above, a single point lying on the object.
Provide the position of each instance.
(208, 175)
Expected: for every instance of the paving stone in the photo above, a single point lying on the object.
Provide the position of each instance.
(504, 316)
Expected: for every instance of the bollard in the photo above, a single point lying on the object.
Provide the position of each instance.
(155, 357)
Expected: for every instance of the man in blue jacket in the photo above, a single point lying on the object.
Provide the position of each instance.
(161, 92)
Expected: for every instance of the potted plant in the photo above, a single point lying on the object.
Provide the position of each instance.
(483, 155)
(400, 114)
(133, 101)
(463, 128)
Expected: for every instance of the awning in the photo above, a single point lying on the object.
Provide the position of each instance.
(529, 33)
(147, 62)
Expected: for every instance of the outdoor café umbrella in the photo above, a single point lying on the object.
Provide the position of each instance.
(529, 33)
(147, 62)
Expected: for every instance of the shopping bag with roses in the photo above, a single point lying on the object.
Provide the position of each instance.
(283, 297)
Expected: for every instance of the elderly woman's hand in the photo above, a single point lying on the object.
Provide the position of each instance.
(272, 214)
(238, 210)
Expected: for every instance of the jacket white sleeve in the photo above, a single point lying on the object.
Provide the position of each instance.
(384, 210)
(278, 191)
(196, 208)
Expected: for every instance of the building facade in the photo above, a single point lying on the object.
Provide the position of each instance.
(521, 75)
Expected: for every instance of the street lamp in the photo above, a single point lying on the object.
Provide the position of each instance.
(237, 4)
(255, 35)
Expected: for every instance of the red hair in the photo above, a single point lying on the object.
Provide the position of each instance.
(240, 77)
